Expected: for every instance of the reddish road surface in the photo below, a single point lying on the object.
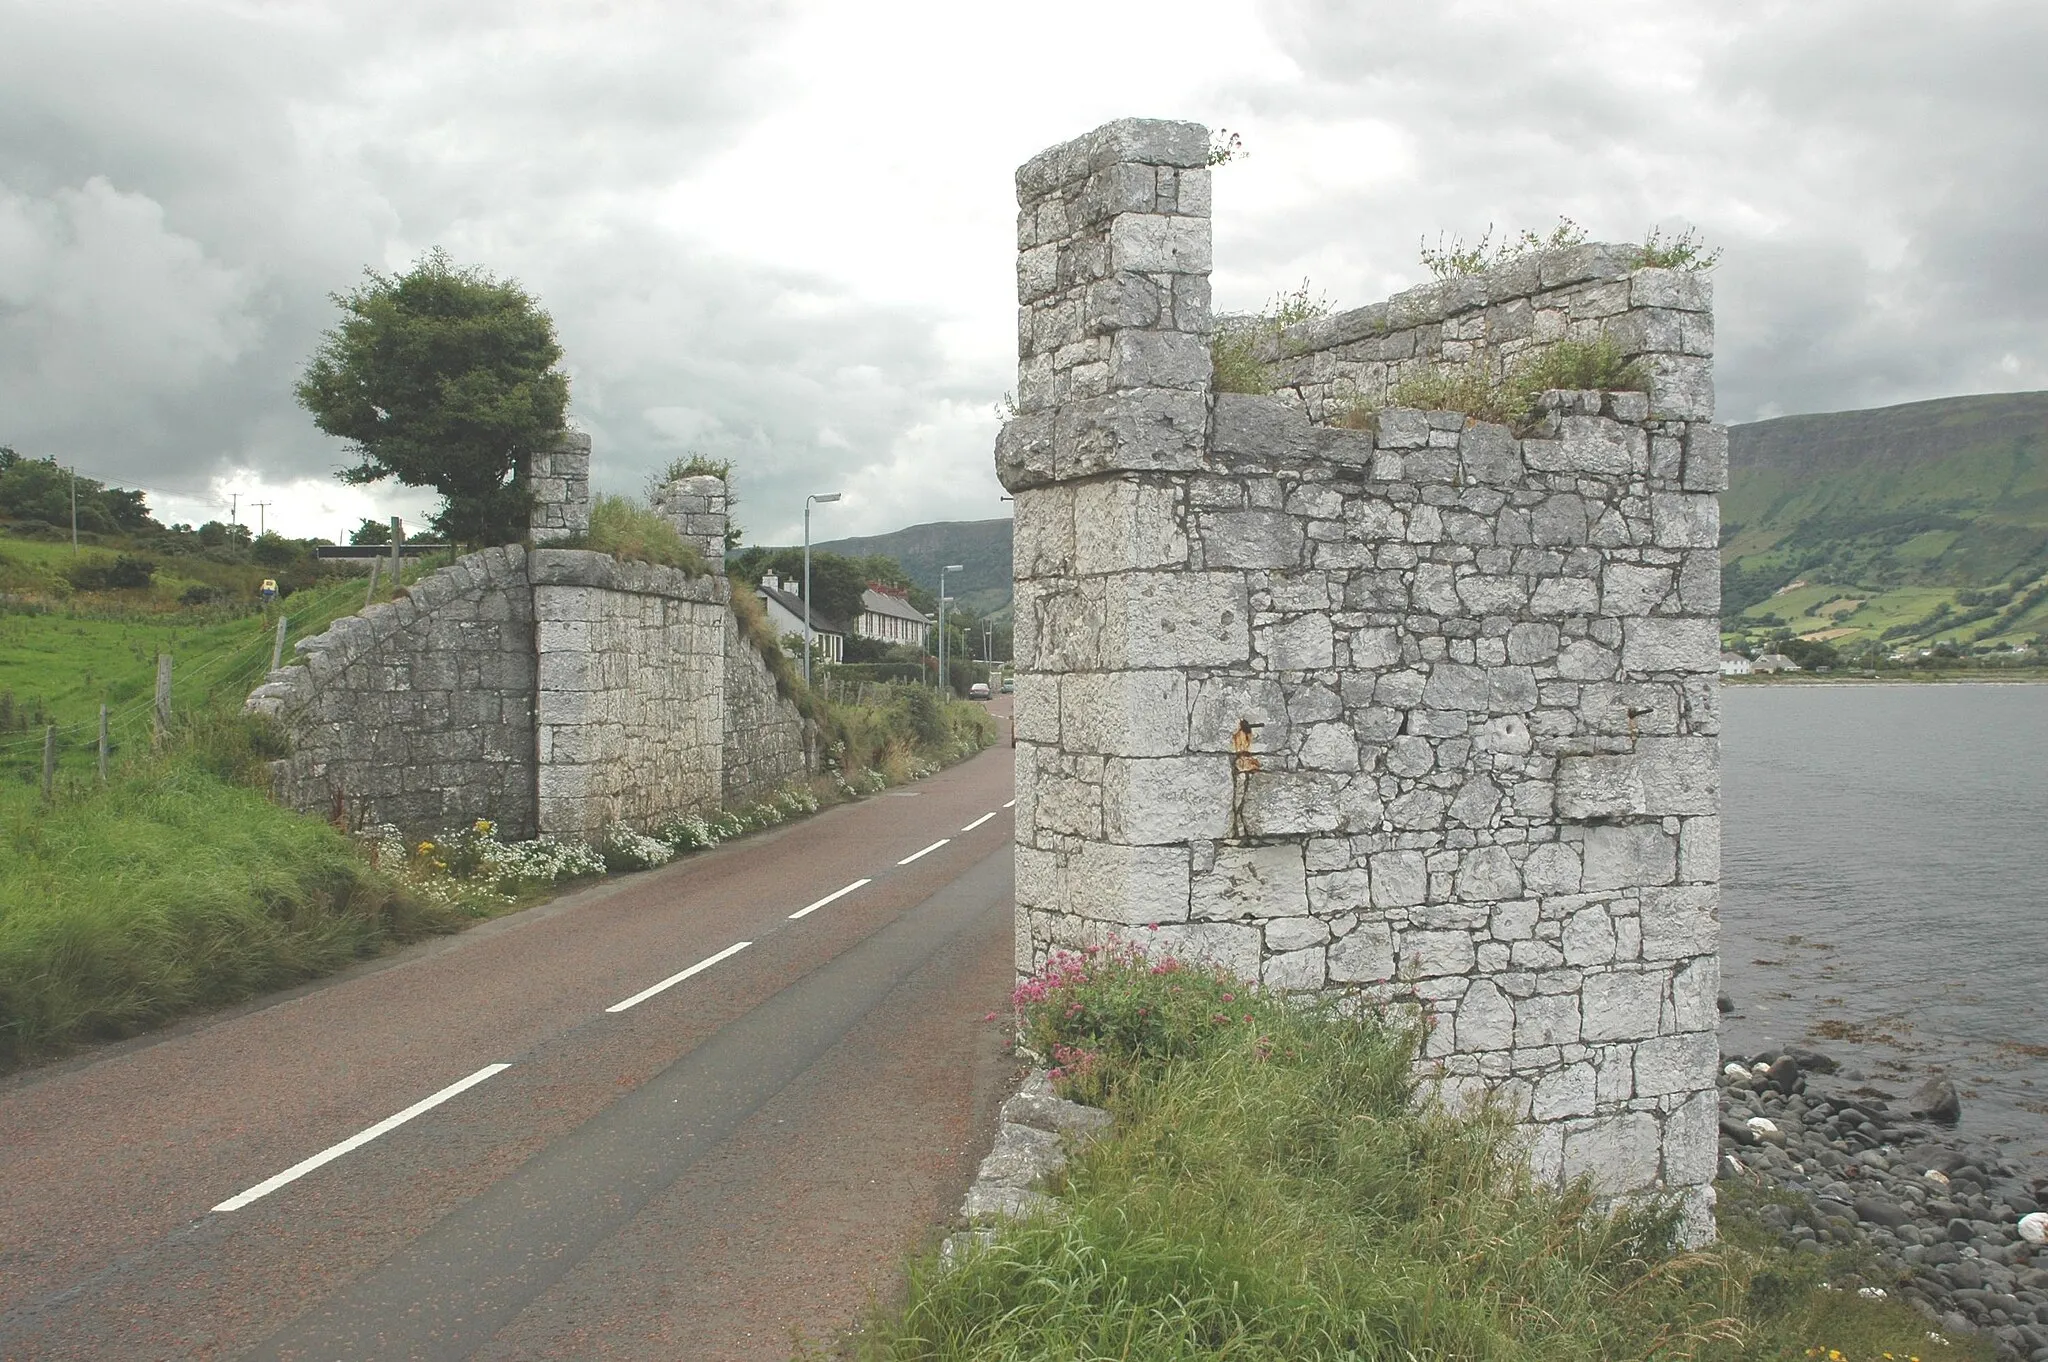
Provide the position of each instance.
(724, 1165)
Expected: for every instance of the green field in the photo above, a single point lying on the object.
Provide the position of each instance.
(64, 654)
(1891, 530)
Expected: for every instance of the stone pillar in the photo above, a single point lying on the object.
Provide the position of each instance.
(1424, 712)
(698, 508)
(559, 478)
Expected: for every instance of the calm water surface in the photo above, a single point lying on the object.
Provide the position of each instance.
(1885, 888)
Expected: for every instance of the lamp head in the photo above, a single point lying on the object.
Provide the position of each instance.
(827, 496)
(953, 567)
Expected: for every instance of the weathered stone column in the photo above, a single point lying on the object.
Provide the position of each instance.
(698, 508)
(559, 478)
(1421, 710)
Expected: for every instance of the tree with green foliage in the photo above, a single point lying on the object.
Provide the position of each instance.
(371, 532)
(443, 377)
(40, 489)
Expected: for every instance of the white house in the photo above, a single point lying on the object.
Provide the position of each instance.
(1774, 662)
(887, 615)
(786, 613)
(1735, 664)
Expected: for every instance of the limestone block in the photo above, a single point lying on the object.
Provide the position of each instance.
(1633, 589)
(1252, 882)
(1706, 458)
(1329, 747)
(1221, 703)
(1428, 955)
(1036, 716)
(1234, 946)
(1159, 243)
(1682, 388)
(1553, 867)
(1402, 428)
(1128, 714)
(1043, 531)
(1699, 850)
(1671, 645)
(1302, 971)
(1120, 524)
(1620, 1153)
(1629, 855)
(1066, 803)
(1365, 956)
(1623, 1005)
(1694, 991)
(1485, 1019)
(1158, 801)
(1295, 643)
(1546, 1019)
(1158, 359)
(1665, 775)
(1685, 520)
(1569, 1091)
(1684, 290)
(1295, 933)
(1132, 886)
(1293, 803)
(1588, 937)
(1261, 427)
(1176, 619)
(1142, 430)
(1590, 444)
(1400, 879)
(1491, 454)
(1251, 539)
(1673, 1064)
(1681, 922)
(1691, 1140)
(1558, 596)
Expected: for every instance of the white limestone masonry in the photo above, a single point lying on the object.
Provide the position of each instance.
(550, 690)
(1425, 713)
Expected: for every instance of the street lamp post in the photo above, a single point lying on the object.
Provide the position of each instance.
(821, 498)
(950, 567)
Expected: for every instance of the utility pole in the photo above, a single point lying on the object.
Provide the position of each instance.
(74, 510)
(234, 508)
(817, 497)
(261, 507)
(950, 567)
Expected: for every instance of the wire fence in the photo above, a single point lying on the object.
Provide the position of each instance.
(198, 680)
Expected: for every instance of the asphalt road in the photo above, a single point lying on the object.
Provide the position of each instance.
(614, 1169)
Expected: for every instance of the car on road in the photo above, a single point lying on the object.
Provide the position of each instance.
(978, 691)
(1009, 685)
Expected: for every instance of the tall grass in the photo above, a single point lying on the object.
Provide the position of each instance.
(1272, 1191)
(1510, 399)
(173, 890)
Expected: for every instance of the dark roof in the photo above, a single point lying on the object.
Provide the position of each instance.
(821, 623)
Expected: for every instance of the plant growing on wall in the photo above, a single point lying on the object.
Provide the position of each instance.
(443, 377)
(1234, 349)
(1510, 400)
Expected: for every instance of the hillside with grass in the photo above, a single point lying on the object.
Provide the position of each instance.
(1891, 530)
(981, 547)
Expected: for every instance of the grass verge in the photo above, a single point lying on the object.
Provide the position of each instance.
(1272, 1190)
(174, 890)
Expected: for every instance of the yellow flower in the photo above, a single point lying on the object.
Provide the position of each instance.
(426, 847)
(483, 825)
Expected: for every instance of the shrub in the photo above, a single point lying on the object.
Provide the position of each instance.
(1682, 252)
(1458, 260)
(635, 533)
(1596, 365)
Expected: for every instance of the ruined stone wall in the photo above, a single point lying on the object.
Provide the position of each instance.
(552, 691)
(630, 697)
(417, 712)
(558, 478)
(699, 508)
(1425, 712)
(765, 734)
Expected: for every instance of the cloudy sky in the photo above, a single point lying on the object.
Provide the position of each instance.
(782, 232)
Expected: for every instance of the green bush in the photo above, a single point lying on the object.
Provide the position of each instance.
(635, 533)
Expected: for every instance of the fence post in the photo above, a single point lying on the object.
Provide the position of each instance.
(162, 723)
(398, 552)
(371, 594)
(49, 761)
(277, 645)
(103, 743)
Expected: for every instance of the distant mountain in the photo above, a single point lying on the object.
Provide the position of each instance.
(1899, 524)
(981, 547)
